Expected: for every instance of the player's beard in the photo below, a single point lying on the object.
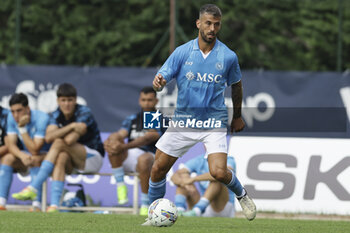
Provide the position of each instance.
(206, 39)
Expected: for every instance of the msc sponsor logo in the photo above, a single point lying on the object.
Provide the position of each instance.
(206, 77)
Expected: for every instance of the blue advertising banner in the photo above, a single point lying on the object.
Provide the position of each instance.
(293, 104)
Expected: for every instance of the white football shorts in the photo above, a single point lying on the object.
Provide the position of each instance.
(130, 162)
(177, 143)
(228, 211)
(93, 162)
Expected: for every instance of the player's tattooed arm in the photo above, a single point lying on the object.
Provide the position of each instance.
(237, 123)
(237, 95)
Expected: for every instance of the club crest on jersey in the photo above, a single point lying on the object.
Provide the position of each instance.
(190, 75)
(219, 66)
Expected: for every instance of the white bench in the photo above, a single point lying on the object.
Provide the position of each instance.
(133, 209)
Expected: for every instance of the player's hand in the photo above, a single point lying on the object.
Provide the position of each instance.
(158, 82)
(187, 181)
(115, 147)
(24, 120)
(237, 125)
(26, 160)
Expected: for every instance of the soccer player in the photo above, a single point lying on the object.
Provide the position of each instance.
(202, 68)
(213, 198)
(3, 126)
(76, 144)
(137, 154)
(25, 140)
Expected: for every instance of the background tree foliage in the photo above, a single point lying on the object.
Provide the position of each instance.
(268, 34)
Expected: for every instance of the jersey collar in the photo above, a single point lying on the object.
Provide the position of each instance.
(196, 45)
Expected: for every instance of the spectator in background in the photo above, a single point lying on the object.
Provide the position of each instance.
(28, 127)
(76, 144)
(213, 198)
(3, 125)
(137, 154)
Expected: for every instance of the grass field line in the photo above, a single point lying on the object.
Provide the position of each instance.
(260, 215)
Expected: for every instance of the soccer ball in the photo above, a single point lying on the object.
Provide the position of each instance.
(162, 213)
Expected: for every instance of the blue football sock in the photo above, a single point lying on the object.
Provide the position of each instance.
(202, 204)
(44, 172)
(144, 199)
(33, 173)
(235, 186)
(156, 190)
(5, 180)
(56, 192)
(180, 201)
(118, 174)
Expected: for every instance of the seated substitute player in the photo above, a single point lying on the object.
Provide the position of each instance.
(137, 154)
(25, 140)
(213, 198)
(76, 144)
(3, 126)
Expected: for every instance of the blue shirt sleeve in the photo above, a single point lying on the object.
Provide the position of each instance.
(52, 120)
(126, 124)
(11, 125)
(234, 73)
(172, 65)
(41, 124)
(193, 165)
(85, 117)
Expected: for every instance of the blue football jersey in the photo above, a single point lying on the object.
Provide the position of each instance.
(199, 165)
(36, 127)
(202, 81)
(92, 138)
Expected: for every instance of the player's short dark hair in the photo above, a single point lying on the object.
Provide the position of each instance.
(148, 90)
(210, 9)
(19, 98)
(66, 90)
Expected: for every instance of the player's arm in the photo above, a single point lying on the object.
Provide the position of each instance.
(33, 145)
(53, 132)
(159, 82)
(237, 123)
(79, 129)
(118, 136)
(4, 149)
(149, 137)
(179, 175)
(114, 141)
(11, 142)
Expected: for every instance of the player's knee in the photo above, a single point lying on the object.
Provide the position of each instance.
(58, 143)
(219, 174)
(8, 159)
(158, 172)
(62, 159)
(145, 162)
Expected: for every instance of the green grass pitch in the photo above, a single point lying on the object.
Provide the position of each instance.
(23, 222)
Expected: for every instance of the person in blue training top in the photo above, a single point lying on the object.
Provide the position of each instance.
(76, 144)
(137, 154)
(3, 126)
(202, 69)
(212, 199)
(26, 144)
